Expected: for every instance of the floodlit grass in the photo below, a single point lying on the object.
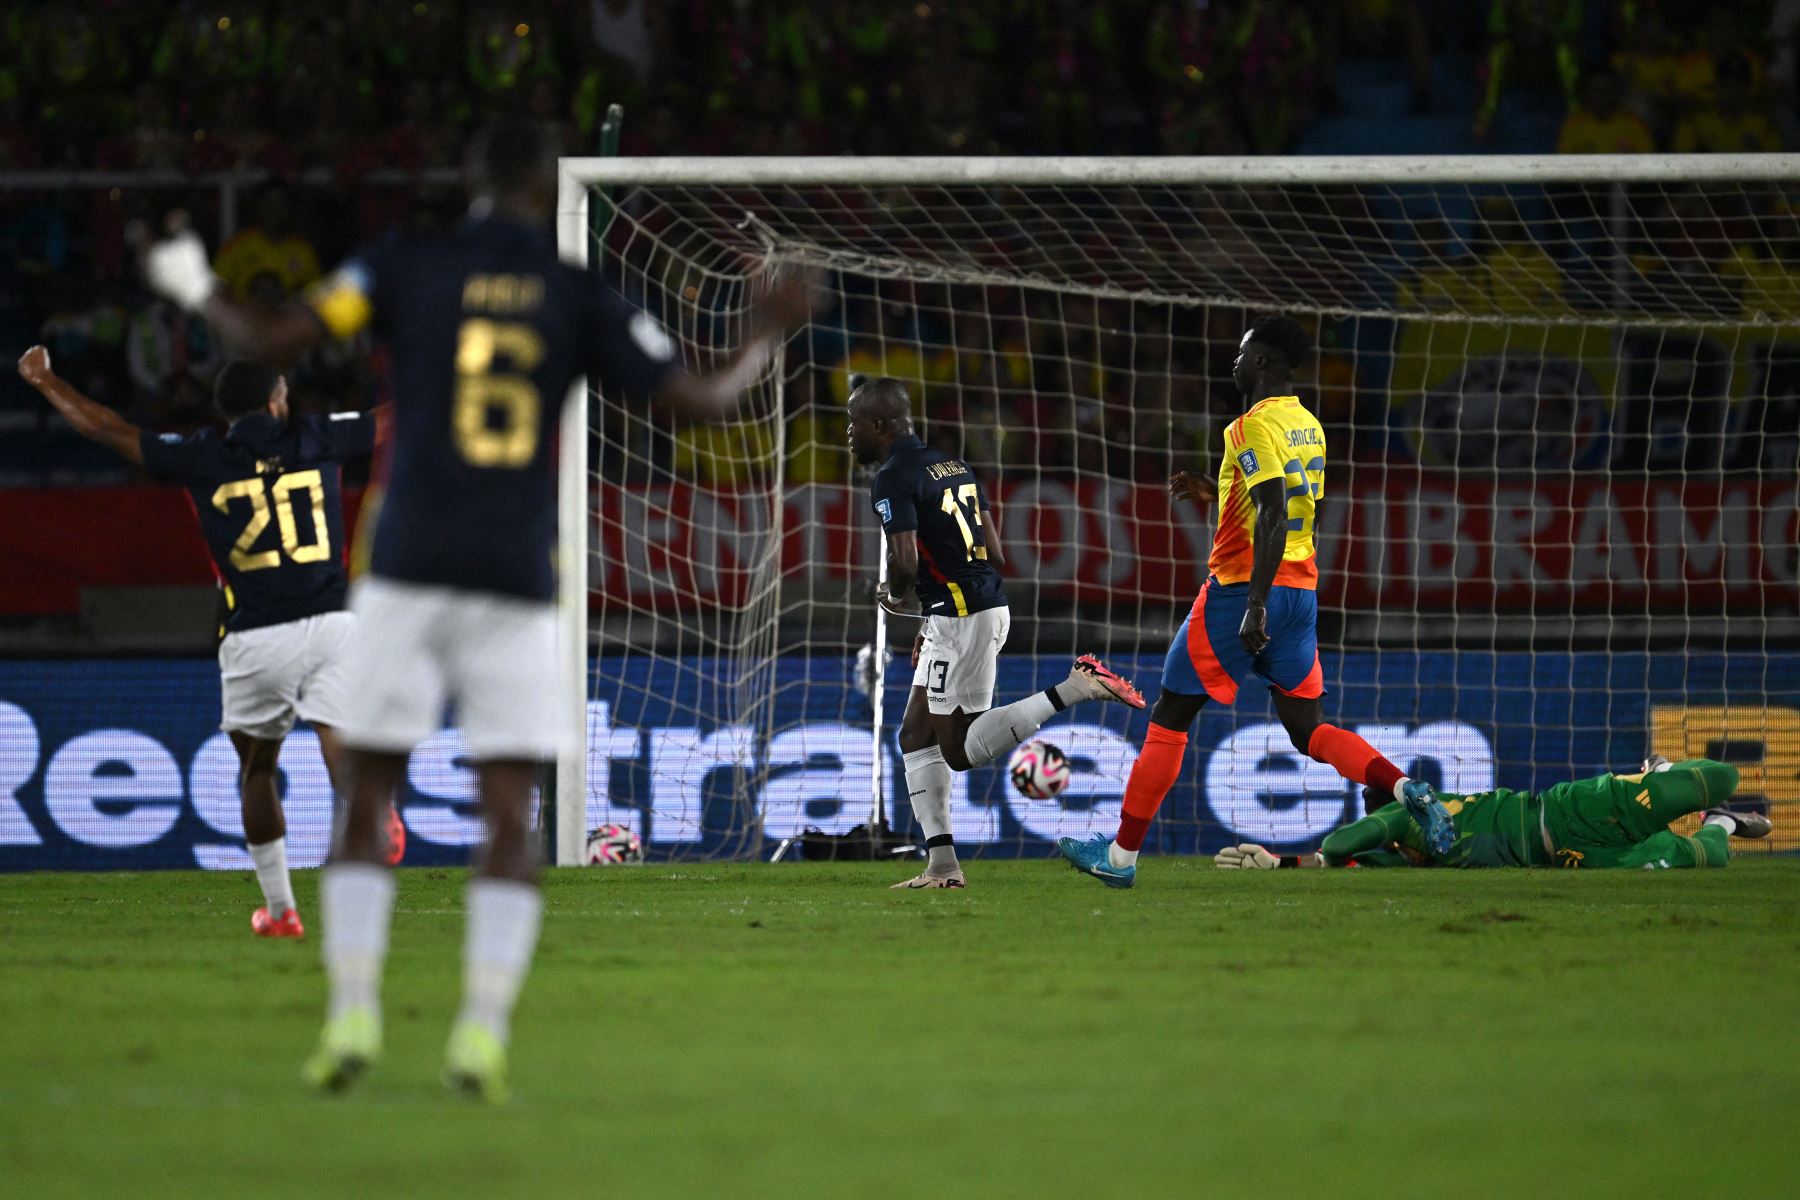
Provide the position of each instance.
(750, 1030)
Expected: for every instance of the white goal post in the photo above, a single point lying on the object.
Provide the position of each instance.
(1066, 256)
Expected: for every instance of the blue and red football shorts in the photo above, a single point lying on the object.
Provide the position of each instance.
(1207, 658)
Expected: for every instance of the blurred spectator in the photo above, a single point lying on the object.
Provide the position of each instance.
(164, 344)
(1535, 39)
(504, 53)
(1784, 46)
(1733, 124)
(1650, 67)
(1373, 27)
(1698, 72)
(270, 246)
(622, 30)
(1600, 124)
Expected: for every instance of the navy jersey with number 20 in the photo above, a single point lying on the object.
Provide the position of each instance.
(270, 508)
(486, 328)
(925, 490)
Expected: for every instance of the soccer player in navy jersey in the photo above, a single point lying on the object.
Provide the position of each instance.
(268, 499)
(487, 328)
(936, 516)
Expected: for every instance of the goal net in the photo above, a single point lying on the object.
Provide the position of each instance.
(1562, 403)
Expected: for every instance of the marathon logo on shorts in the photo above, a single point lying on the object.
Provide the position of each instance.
(1247, 462)
(885, 510)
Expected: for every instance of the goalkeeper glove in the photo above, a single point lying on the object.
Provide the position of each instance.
(176, 268)
(1246, 857)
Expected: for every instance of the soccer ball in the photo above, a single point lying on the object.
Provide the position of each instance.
(1039, 770)
(613, 844)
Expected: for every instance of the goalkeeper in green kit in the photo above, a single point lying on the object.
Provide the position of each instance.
(1606, 821)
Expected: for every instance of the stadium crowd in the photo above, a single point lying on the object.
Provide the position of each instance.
(351, 118)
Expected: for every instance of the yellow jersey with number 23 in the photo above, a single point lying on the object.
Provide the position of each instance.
(1276, 439)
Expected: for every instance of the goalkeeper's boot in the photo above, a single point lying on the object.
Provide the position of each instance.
(1429, 814)
(475, 1063)
(1743, 824)
(396, 836)
(1103, 683)
(350, 1045)
(1092, 857)
(927, 880)
(287, 925)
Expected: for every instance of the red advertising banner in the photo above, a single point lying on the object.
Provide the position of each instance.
(1395, 538)
(1402, 538)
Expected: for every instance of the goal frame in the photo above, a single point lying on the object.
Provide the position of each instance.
(578, 176)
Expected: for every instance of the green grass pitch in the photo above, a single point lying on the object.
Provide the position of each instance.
(797, 1030)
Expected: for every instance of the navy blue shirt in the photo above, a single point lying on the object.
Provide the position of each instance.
(270, 501)
(487, 329)
(925, 490)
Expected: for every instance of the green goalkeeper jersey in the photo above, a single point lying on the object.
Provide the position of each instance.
(1493, 829)
(1606, 821)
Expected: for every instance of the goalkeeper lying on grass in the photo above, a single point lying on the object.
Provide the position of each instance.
(1606, 821)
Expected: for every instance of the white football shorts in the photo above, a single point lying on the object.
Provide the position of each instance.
(270, 676)
(959, 660)
(419, 649)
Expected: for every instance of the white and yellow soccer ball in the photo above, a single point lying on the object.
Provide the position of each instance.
(1039, 770)
(611, 845)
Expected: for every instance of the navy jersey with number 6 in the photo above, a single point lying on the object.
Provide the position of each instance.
(486, 329)
(270, 504)
(925, 490)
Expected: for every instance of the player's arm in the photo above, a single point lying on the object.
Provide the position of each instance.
(273, 335)
(990, 537)
(1268, 543)
(712, 398)
(176, 268)
(93, 421)
(902, 573)
(1384, 825)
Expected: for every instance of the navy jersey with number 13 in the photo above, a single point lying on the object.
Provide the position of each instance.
(487, 328)
(925, 490)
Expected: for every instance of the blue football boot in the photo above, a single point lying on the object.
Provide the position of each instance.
(1429, 814)
(1091, 858)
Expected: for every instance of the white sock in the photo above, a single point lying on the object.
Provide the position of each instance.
(1400, 787)
(502, 934)
(996, 731)
(272, 875)
(1118, 856)
(356, 902)
(928, 784)
(1726, 820)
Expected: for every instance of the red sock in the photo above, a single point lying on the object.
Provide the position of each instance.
(1152, 776)
(1353, 758)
